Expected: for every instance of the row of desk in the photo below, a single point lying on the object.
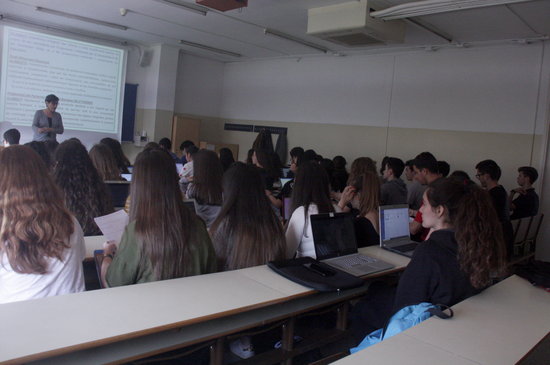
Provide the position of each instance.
(125, 323)
(115, 325)
(500, 326)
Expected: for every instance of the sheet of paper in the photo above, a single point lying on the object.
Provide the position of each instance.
(112, 225)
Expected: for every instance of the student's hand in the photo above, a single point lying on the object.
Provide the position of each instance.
(109, 248)
(190, 178)
(43, 130)
(347, 196)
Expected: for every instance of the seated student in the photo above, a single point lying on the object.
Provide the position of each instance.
(183, 146)
(393, 190)
(415, 190)
(84, 192)
(364, 195)
(122, 161)
(488, 174)
(443, 168)
(166, 145)
(465, 249)
(527, 202)
(187, 172)
(206, 187)
(263, 161)
(311, 195)
(296, 154)
(247, 232)
(164, 240)
(464, 253)
(425, 172)
(104, 161)
(42, 151)
(340, 175)
(11, 137)
(226, 158)
(42, 245)
(359, 167)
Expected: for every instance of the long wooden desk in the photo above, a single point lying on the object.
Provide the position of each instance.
(499, 326)
(143, 319)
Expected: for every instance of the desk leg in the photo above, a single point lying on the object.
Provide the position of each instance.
(216, 352)
(287, 341)
(342, 317)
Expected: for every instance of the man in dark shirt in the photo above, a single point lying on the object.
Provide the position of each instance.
(488, 174)
(526, 204)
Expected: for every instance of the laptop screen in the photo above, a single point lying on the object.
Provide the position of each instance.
(333, 235)
(394, 222)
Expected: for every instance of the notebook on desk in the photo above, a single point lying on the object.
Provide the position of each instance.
(394, 229)
(336, 245)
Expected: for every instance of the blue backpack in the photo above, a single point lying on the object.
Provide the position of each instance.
(403, 319)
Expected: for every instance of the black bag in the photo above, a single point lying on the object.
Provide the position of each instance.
(537, 272)
(315, 274)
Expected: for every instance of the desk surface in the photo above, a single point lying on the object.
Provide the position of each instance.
(498, 326)
(100, 317)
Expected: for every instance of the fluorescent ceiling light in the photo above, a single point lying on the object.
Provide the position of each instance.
(211, 49)
(81, 18)
(427, 7)
(186, 6)
(295, 39)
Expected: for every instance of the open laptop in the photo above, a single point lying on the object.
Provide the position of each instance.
(335, 245)
(394, 229)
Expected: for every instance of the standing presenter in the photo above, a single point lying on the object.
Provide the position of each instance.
(47, 122)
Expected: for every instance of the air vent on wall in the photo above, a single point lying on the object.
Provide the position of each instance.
(349, 24)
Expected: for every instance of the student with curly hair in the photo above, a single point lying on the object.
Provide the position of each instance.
(41, 243)
(464, 251)
(84, 191)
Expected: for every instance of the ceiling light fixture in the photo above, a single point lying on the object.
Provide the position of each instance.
(211, 49)
(197, 9)
(289, 37)
(81, 18)
(427, 7)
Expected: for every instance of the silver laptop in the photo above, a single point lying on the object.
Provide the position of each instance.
(335, 245)
(394, 229)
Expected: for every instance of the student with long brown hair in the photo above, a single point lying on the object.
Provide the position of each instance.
(84, 191)
(462, 256)
(163, 240)
(206, 187)
(364, 195)
(104, 161)
(247, 232)
(311, 195)
(465, 248)
(41, 244)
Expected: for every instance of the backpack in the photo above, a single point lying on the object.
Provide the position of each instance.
(403, 319)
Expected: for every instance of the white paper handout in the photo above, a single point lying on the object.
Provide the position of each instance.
(112, 225)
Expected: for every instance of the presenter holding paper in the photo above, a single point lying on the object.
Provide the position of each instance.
(47, 122)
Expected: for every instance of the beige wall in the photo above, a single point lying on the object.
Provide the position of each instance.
(461, 149)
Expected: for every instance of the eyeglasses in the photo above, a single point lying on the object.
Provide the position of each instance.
(479, 175)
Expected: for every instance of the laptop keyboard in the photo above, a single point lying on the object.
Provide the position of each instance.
(356, 260)
(406, 248)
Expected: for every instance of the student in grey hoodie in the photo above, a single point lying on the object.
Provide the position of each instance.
(394, 190)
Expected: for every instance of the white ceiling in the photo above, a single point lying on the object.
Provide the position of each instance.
(242, 31)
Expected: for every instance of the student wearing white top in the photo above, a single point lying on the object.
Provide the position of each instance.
(311, 195)
(42, 245)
